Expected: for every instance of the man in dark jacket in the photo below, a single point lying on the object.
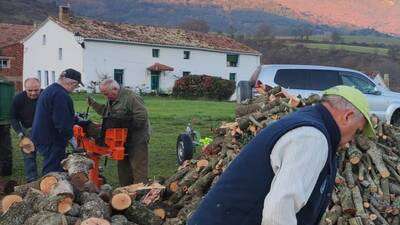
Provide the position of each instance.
(22, 114)
(54, 117)
(286, 174)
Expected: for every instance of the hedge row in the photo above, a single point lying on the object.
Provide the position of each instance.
(203, 86)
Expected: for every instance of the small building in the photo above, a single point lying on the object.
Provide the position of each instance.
(11, 51)
(141, 57)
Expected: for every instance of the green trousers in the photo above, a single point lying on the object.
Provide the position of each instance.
(134, 167)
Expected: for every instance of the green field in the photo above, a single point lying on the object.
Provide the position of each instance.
(349, 39)
(352, 48)
(168, 118)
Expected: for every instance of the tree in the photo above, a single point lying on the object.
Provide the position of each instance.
(336, 37)
(195, 25)
(263, 31)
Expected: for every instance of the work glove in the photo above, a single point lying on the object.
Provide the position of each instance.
(90, 100)
(27, 145)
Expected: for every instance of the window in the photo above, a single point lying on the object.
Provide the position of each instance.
(119, 76)
(232, 60)
(46, 78)
(358, 81)
(185, 73)
(307, 79)
(186, 54)
(44, 39)
(156, 53)
(4, 63)
(53, 76)
(39, 75)
(232, 76)
(60, 54)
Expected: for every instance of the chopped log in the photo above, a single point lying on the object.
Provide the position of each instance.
(332, 215)
(17, 214)
(48, 181)
(95, 207)
(242, 110)
(77, 163)
(202, 184)
(121, 201)
(105, 192)
(134, 188)
(358, 201)
(152, 197)
(394, 188)
(79, 181)
(8, 201)
(355, 221)
(201, 164)
(186, 212)
(60, 204)
(23, 189)
(46, 218)
(160, 213)
(379, 216)
(71, 220)
(62, 187)
(354, 154)
(139, 214)
(120, 220)
(95, 221)
(362, 142)
(348, 172)
(174, 221)
(361, 171)
(376, 157)
(345, 196)
(75, 210)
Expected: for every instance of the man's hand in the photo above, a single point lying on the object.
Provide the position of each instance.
(90, 101)
(27, 145)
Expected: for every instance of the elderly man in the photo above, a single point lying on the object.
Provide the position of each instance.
(286, 174)
(53, 121)
(22, 114)
(125, 109)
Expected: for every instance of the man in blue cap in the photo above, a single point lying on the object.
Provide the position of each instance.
(53, 121)
(286, 174)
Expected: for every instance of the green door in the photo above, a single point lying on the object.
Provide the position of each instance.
(155, 80)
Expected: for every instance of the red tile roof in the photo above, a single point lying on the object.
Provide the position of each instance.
(13, 33)
(153, 35)
(160, 67)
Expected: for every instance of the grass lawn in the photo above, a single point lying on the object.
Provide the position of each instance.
(168, 118)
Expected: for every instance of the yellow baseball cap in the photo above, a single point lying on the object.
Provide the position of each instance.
(358, 100)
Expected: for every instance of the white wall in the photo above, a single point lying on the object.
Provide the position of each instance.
(103, 57)
(46, 57)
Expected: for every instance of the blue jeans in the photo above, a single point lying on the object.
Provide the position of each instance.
(52, 157)
(30, 167)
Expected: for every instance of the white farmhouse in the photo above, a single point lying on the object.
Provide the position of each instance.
(138, 56)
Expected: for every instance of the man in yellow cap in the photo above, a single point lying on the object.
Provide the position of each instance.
(286, 174)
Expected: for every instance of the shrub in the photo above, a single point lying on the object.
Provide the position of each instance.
(203, 86)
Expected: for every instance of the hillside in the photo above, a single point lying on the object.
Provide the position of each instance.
(25, 11)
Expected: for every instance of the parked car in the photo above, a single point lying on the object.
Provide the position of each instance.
(305, 80)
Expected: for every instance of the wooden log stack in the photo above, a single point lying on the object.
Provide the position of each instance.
(367, 190)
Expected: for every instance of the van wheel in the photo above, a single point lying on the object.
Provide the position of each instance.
(395, 121)
(243, 91)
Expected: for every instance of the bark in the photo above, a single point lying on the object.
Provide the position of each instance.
(8, 201)
(139, 214)
(47, 218)
(17, 214)
(376, 157)
(23, 189)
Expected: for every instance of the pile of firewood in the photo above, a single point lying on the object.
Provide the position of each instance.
(367, 187)
(69, 198)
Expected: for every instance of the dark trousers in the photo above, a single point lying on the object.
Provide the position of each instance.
(52, 157)
(30, 167)
(5, 151)
(135, 166)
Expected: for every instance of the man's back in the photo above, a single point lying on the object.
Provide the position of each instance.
(54, 117)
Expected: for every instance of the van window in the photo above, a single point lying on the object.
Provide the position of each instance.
(307, 79)
(292, 78)
(358, 81)
(323, 79)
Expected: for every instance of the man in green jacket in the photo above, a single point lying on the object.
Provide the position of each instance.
(125, 109)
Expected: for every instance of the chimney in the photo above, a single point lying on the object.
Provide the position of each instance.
(65, 14)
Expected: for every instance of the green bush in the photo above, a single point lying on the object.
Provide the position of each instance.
(203, 86)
